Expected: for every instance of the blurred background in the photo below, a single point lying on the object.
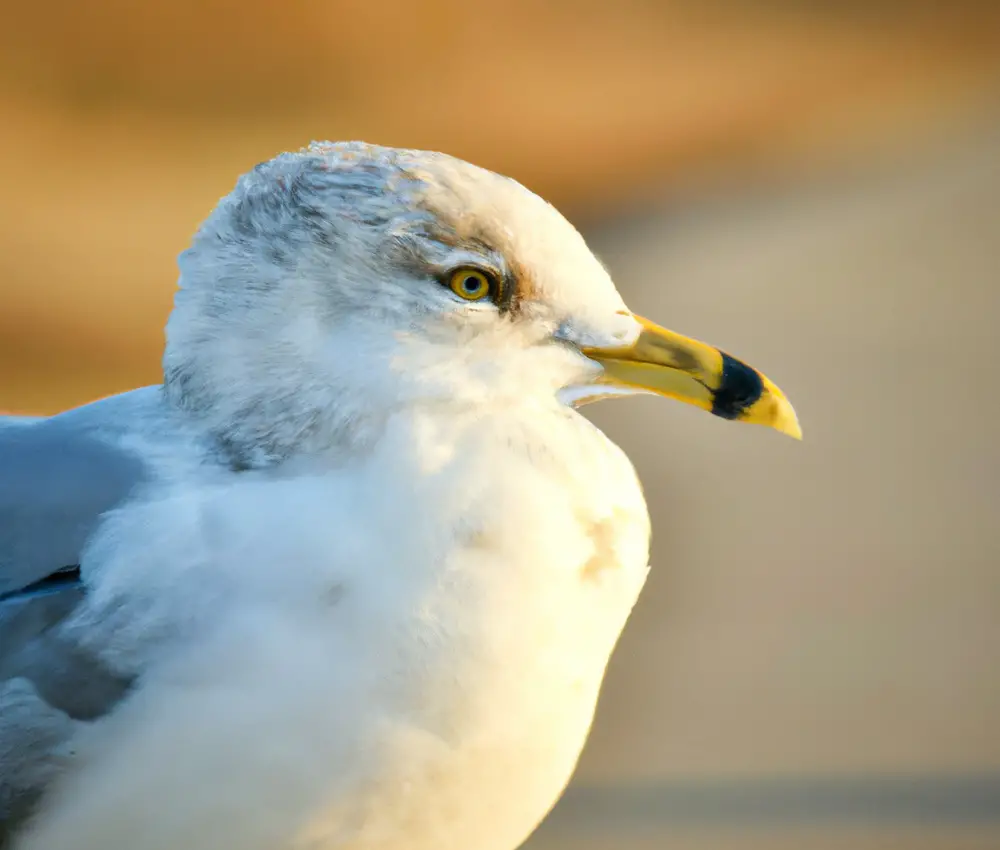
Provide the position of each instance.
(813, 186)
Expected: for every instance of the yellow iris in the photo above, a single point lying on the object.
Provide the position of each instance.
(470, 284)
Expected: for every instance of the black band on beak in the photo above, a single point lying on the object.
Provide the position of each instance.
(740, 388)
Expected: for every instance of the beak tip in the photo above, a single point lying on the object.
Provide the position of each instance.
(795, 432)
(786, 421)
(775, 410)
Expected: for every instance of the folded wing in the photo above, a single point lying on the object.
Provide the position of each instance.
(58, 476)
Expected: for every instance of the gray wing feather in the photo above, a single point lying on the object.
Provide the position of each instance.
(49, 688)
(35, 648)
(36, 745)
(55, 483)
(58, 476)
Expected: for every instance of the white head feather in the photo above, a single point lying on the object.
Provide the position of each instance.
(311, 304)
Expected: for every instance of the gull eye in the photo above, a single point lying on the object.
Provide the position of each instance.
(471, 284)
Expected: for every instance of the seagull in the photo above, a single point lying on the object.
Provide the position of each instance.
(350, 577)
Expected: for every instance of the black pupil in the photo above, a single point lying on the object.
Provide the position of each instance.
(471, 284)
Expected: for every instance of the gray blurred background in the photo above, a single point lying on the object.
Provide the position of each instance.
(815, 187)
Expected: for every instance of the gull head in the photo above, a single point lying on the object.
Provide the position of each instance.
(336, 286)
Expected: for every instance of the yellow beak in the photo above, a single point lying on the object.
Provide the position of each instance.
(669, 364)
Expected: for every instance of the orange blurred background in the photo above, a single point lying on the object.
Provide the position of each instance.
(813, 185)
